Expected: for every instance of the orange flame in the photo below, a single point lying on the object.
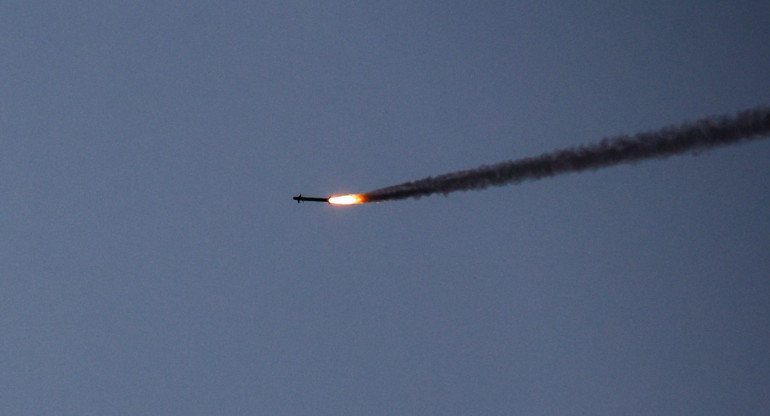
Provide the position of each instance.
(347, 199)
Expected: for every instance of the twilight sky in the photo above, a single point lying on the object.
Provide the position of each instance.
(152, 260)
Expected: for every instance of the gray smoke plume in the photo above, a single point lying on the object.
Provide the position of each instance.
(689, 137)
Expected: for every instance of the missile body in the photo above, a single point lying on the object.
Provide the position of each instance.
(299, 198)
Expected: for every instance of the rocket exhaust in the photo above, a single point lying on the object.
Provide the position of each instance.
(701, 134)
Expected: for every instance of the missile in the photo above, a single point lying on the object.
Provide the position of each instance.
(299, 198)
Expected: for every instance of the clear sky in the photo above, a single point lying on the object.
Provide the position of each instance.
(153, 262)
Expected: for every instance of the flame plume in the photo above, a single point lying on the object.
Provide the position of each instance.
(351, 199)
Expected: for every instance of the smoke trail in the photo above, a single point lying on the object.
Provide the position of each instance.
(688, 137)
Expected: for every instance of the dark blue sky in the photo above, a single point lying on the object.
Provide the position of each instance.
(153, 261)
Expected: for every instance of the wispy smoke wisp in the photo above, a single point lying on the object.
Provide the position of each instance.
(689, 137)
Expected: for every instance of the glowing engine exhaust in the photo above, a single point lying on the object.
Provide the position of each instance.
(346, 199)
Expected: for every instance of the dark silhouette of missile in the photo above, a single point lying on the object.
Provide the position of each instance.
(299, 198)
